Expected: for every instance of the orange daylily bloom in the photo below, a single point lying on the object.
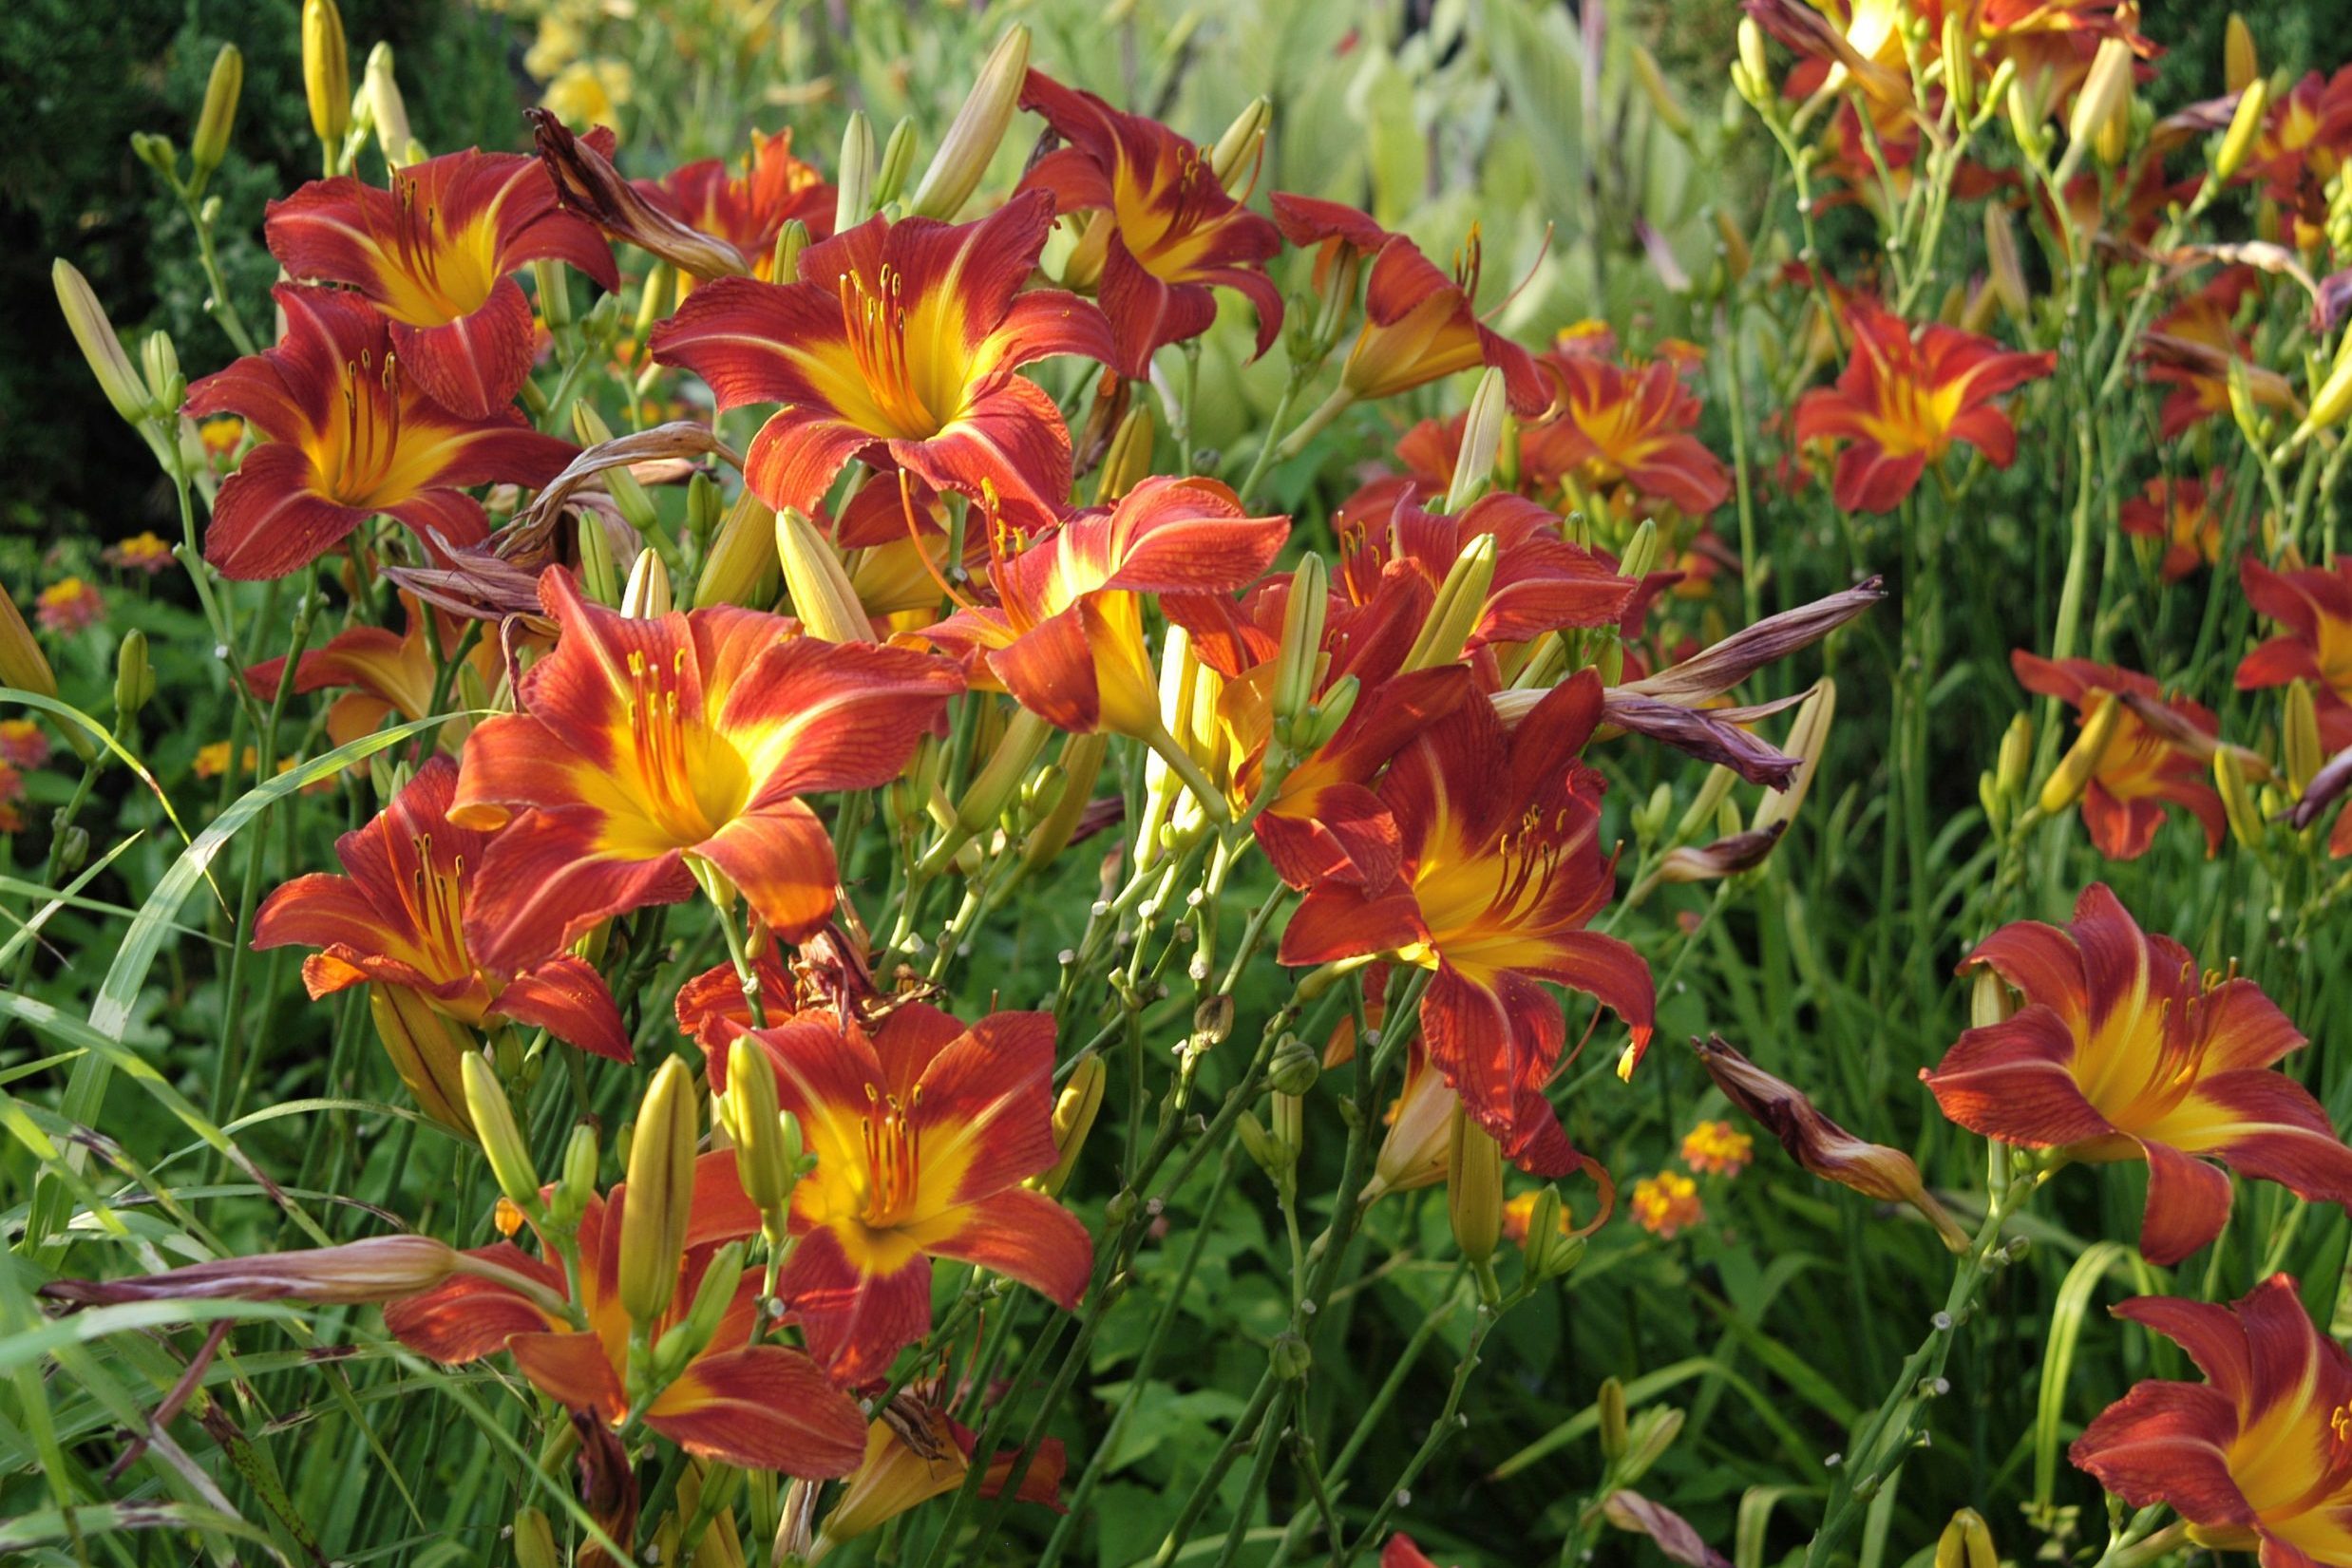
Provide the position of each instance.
(2258, 1457)
(2185, 513)
(1066, 636)
(1500, 874)
(923, 1131)
(2124, 1051)
(434, 253)
(916, 1451)
(1413, 1151)
(747, 209)
(347, 434)
(739, 1402)
(2143, 769)
(1167, 229)
(1625, 427)
(1903, 399)
(1419, 324)
(1842, 40)
(641, 742)
(389, 674)
(2190, 348)
(2314, 604)
(2303, 146)
(897, 344)
(397, 917)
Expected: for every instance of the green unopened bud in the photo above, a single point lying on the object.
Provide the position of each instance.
(1081, 762)
(160, 362)
(535, 1540)
(502, 1140)
(822, 594)
(661, 1194)
(1547, 1251)
(134, 678)
(1474, 1188)
(855, 174)
(784, 262)
(1611, 1406)
(1959, 61)
(1654, 87)
(100, 345)
(648, 595)
(218, 118)
(1756, 79)
(1264, 1149)
(2245, 126)
(1648, 819)
(741, 565)
(721, 1278)
(1640, 554)
(2241, 65)
(426, 1047)
(1127, 461)
(2105, 91)
(897, 160)
(600, 575)
(1234, 158)
(1968, 1541)
(999, 783)
(979, 126)
(1303, 615)
(1295, 1067)
(385, 106)
(1455, 613)
(748, 1114)
(1324, 716)
(577, 1183)
(1653, 1432)
(1075, 1110)
(2329, 405)
(2237, 800)
(2076, 770)
(1990, 1000)
(1482, 438)
(2301, 737)
(2016, 756)
(326, 73)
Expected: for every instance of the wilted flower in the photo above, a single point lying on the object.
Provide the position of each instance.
(1717, 1149)
(383, 1267)
(2185, 514)
(2142, 768)
(67, 605)
(1666, 1205)
(2193, 348)
(2124, 1051)
(140, 552)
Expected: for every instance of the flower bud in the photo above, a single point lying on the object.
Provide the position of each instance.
(535, 1540)
(822, 596)
(159, 361)
(1455, 613)
(999, 780)
(2072, 775)
(1640, 555)
(2105, 91)
(1082, 765)
(101, 348)
(1959, 61)
(971, 142)
(1129, 459)
(1611, 1405)
(1482, 436)
(600, 575)
(1474, 1188)
(660, 1195)
(384, 104)
(1075, 1110)
(2240, 64)
(381, 1268)
(2245, 125)
(784, 262)
(1268, 1153)
(1303, 615)
(220, 114)
(1809, 736)
(426, 1047)
(692, 1334)
(748, 1113)
(1737, 258)
(327, 72)
(1966, 1541)
(1990, 1000)
(740, 566)
(134, 678)
(1549, 1250)
(2237, 800)
(2016, 756)
(2006, 271)
(1292, 1357)
(1236, 153)
(502, 1140)
(2301, 737)
(897, 157)
(1756, 77)
(1654, 1431)
(1654, 87)
(855, 174)
(578, 1183)
(647, 596)
(1295, 1067)
(2329, 405)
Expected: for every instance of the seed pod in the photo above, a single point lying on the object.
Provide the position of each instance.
(1295, 1067)
(1966, 1541)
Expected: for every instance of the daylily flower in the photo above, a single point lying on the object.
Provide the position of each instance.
(1419, 324)
(347, 434)
(2124, 1051)
(434, 253)
(1166, 230)
(1629, 428)
(2185, 513)
(916, 1451)
(2301, 147)
(395, 922)
(897, 344)
(2143, 769)
(2314, 604)
(1903, 399)
(1843, 41)
(758, 1406)
(1066, 636)
(2257, 1457)
(2191, 347)
(1500, 874)
(923, 1131)
(747, 209)
(1413, 1151)
(389, 674)
(640, 742)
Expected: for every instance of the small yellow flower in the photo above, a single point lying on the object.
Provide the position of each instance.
(139, 553)
(221, 435)
(1717, 1149)
(212, 760)
(68, 605)
(1666, 1203)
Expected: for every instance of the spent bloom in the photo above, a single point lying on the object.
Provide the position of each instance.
(139, 553)
(1717, 1149)
(1666, 1205)
(2124, 1050)
(68, 605)
(747, 206)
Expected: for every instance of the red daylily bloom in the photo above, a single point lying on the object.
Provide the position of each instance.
(2124, 1051)
(2142, 768)
(2185, 513)
(1167, 231)
(897, 344)
(397, 918)
(2301, 147)
(759, 1406)
(1500, 874)
(749, 209)
(2256, 1458)
(916, 1451)
(389, 674)
(1902, 400)
(2190, 348)
(923, 1131)
(1413, 1151)
(1628, 428)
(2315, 605)
(348, 435)
(1066, 636)
(1419, 325)
(434, 253)
(640, 742)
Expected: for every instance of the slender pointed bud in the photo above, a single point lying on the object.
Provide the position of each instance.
(741, 565)
(972, 140)
(1809, 736)
(721, 1278)
(1474, 1188)
(1263, 1148)
(2303, 754)
(1737, 258)
(2329, 405)
(1713, 790)
(578, 1183)
(2245, 125)
(1234, 158)
(1074, 1117)
(389, 111)
(425, 1048)
(647, 596)
(999, 783)
(2072, 775)
(1654, 1432)
(1640, 557)
(1611, 1405)
(1323, 718)
(898, 158)
(2241, 67)
(821, 590)
(1082, 765)
(856, 172)
(2006, 271)
(629, 497)
(653, 296)
(1755, 68)
(535, 1540)
(600, 575)
(1455, 612)
(1129, 459)
(748, 1114)
(1548, 1251)
(22, 663)
(1968, 1541)
(219, 119)
(2001, 89)
(502, 1140)
(1960, 77)
(660, 1197)
(1482, 436)
(134, 678)
(2105, 90)
(2016, 758)
(1654, 87)
(159, 361)
(1303, 615)
(327, 72)
(2237, 800)
(785, 260)
(2113, 139)
(1990, 1000)
(100, 345)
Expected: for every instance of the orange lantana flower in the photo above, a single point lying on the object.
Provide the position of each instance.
(1666, 1205)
